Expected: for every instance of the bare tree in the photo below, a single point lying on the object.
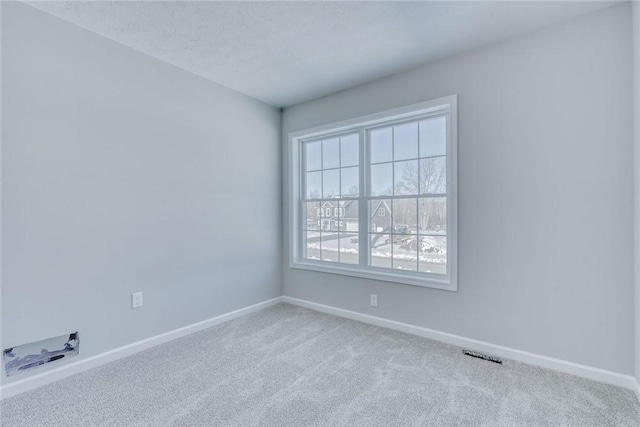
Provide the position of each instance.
(430, 178)
(352, 191)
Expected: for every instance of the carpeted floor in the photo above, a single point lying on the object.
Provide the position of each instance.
(288, 366)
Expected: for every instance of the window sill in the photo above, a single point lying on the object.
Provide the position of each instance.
(407, 278)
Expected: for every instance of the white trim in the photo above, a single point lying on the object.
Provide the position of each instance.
(368, 120)
(373, 273)
(82, 365)
(584, 371)
(447, 107)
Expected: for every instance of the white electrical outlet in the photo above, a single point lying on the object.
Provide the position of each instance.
(136, 300)
(374, 300)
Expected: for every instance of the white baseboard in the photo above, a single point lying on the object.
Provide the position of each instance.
(49, 376)
(596, 374)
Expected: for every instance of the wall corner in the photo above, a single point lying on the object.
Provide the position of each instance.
(636, 167)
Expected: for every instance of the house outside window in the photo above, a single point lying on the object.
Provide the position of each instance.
(376, 196)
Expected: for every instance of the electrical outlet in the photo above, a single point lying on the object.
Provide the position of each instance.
(374, 300)
(136, 300)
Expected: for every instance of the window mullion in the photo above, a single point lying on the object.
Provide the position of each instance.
(302, 183)
(363, 215)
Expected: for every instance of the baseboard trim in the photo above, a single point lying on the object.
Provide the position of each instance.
(596, 374)
(65, 371)
(49, 376)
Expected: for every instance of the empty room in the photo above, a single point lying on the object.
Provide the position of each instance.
(320, 213)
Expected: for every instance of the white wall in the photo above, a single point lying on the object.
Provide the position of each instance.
(545, 194)
(121, 173)
(636, 122)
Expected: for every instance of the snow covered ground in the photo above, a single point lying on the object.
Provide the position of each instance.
(432, 256)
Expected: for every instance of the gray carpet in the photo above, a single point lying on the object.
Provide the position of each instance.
(288, 366)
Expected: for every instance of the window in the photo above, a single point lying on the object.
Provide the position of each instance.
(376, 196)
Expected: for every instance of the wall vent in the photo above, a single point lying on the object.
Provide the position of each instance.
(23, 358)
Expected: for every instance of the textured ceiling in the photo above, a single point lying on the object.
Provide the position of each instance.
(284, 53)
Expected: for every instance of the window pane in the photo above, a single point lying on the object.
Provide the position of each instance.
(313, 155)
(406, 177)
(380, 215)
(432, 215)
(382, 179)
(405, 214)
(433, 137)
(433, 175)
(311, 215)
(330, 246)
(405, 141)
(330, 153)
(350, 181)
(404, 254)
(349, 248)
(311, 243)
(433, 254)
(349, 216)
(403, 237)
(334, 214)
(330, 183)
(349, 150)
(326, 214)
(380, 250)
(314, 185)
(380, 145)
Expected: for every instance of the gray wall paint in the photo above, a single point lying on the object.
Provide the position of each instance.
(636, 122)
(545, 194)
(121, 173)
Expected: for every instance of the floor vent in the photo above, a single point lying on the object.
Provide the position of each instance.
(482, 356)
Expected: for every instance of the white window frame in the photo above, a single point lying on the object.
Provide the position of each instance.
(437, 107)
